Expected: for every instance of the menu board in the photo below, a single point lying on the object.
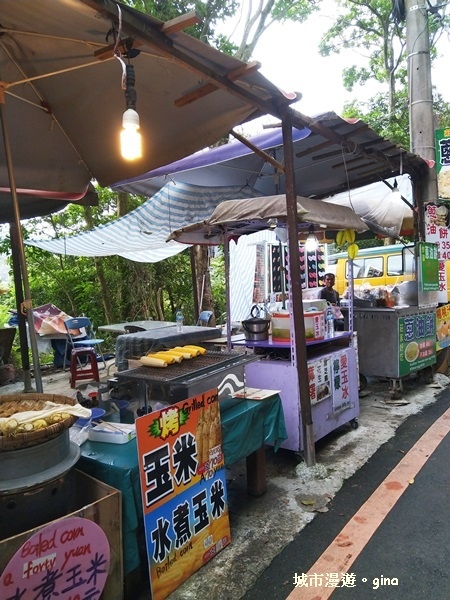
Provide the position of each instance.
(417, 342)
(183, 485)
(437, 215)
(437, 232)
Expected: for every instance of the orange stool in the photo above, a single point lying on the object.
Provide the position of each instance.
(89, 372)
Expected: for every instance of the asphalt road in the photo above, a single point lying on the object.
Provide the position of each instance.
(407, 555)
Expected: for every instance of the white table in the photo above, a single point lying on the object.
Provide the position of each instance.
(147, 325)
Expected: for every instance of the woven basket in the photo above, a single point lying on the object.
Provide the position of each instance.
(24, 402)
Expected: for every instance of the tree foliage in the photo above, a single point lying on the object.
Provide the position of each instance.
(377, 32)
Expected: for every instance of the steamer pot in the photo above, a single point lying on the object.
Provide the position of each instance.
(256, 329)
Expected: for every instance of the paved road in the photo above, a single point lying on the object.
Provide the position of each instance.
(387, 540)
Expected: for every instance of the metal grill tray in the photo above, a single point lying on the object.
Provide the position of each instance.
(187, 368)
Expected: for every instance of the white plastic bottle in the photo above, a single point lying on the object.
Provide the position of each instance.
(180, 321)
(329, 322)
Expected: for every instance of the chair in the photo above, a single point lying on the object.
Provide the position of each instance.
(82, 347)
(133, 328)
(204, 318)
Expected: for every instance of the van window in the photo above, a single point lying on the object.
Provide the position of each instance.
(394, 264)
(367, 267)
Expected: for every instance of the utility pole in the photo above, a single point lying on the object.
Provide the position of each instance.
(421, 118)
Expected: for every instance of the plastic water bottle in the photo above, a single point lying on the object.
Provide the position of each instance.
(330, 322)
(180, 321)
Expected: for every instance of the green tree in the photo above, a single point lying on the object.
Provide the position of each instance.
(112, 288)
(376, 29)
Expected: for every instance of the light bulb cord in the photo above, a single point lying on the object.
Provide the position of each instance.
(130, 91)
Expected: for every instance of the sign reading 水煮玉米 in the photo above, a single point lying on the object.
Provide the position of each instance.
(183, 487)
(417, 342)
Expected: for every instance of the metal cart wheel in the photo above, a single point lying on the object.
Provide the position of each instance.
(362, 382)
(354, 423)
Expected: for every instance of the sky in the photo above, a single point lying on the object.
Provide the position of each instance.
(290, 59)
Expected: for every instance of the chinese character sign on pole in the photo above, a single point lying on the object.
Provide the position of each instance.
(183, 487)
(442, 137)
(428, 267)
(437, 232)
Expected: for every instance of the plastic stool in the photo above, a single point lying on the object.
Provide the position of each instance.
(77, 372)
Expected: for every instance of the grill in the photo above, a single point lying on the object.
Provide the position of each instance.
(188, 378)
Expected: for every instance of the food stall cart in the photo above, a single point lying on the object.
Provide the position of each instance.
(331, 362)
(395, 342)
(399, 339)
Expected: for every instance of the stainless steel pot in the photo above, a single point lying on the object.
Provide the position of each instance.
(256, 329)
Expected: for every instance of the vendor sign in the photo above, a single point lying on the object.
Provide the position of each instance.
(319, 378)
(183, 487)
(341, 386)
(68, 558)
(443, 327)
(428, 267)
(417, 342)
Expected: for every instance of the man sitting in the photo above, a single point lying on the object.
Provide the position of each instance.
(332, 297)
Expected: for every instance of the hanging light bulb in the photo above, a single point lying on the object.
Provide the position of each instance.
(311, 242)
(130, 137)
(395, 189)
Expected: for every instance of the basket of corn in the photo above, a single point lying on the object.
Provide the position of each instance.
(30, 419)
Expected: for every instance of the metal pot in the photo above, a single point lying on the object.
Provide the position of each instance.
(256, 329)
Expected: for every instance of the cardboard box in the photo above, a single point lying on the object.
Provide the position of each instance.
(89, 499)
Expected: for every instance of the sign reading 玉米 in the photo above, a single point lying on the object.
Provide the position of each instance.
(183, 487)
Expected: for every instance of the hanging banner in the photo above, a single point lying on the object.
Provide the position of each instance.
(183, 487)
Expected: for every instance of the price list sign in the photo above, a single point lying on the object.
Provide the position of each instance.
(437, 232)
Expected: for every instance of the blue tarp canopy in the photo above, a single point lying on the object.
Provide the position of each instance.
(141, 234)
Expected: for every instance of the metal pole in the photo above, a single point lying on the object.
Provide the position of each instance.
(226, 250)
(421, 122)
(27, 387)
(27, 304)
(298, 341)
